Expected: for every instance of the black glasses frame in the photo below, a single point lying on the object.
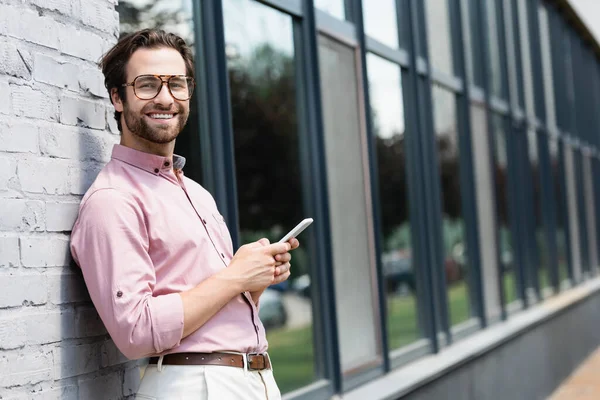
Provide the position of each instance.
(168, 78)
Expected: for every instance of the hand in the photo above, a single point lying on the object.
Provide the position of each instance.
(283, 260)
(254, 265)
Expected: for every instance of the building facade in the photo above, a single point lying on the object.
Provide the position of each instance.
(448, 151)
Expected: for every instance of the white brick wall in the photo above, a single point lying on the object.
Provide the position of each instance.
(56, 132)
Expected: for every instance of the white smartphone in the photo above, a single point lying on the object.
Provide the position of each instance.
(297, 230)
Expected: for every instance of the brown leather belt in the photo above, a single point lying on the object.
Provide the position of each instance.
(256, 362)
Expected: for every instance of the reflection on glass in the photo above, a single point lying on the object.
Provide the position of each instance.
(540, 239)
(507, 256)
(437, 21)
(333, 7)
(527, 74)
(387, 113)
(561, 231)
(176, 17)
(495, 64)
(472, 53)
(381, 22)
(456, 264)
(259, 43)
(546, 50)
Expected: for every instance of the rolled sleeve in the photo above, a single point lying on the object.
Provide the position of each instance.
(110, 244)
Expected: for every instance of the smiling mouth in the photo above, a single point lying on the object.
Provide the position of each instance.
(161, 116)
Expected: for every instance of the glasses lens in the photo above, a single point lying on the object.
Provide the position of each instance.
(181, 87)
(147, 86)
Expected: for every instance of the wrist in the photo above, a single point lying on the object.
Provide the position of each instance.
(231, 281)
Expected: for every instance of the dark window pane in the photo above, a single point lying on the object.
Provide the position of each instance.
(387, 113)
(471, 41)
(176, 17)
(260, 49)
(495, 61)
(456, 263)
(437, 21)
(561, 229)
(381, 22)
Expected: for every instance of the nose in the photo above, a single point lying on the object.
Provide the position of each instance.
(164, 96)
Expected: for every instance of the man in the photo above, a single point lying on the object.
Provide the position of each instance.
(155, 253)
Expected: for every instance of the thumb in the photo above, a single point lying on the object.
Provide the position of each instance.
(264, 242)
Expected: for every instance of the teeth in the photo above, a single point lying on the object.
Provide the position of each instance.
(161, 116)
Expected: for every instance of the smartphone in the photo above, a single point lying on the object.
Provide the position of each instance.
(297, 230)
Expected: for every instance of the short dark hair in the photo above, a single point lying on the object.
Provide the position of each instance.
(114, 62)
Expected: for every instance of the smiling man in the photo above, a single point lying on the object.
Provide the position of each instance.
(155, 252)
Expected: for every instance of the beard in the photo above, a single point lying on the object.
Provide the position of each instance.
(158, 133)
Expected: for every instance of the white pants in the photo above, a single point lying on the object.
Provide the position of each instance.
(206, 382)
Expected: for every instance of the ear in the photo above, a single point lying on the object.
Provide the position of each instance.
(116, 100)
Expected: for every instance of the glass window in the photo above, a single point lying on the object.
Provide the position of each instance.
(262, 78)
(485, 211)
(561, 233)
(494, 43)
(357, 312)
(471, 38)
(387, 116)
(546, 50)
(524, 37)
(333, 7)
(572, 211)
(503, 184)
(381, 22)
(173, 16)
(437, 21)
(456, 264)
(590, 212)
(513, 55)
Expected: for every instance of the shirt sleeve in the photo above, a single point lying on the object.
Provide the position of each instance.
(110, 243)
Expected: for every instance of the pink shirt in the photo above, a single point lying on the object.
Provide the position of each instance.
(145, 233)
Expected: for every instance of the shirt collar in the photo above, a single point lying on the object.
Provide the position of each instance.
(148, 162)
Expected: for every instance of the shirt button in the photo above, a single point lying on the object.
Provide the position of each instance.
(156, 170)
(204, 221)
(119, 294)
(222, 255)
(166, 164)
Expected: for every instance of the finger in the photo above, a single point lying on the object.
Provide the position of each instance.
(264, 242)
(283, 258)
(294, 243)
(283, 268)
(281, 278)
(277, 248)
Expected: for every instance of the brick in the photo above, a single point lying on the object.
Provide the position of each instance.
(13, 60)
(60, 393)
(19, 137)
(108, 387)
(98, 15)
(12, 333)
(110, 355)
(76, 143)
(74, 111)
(57, 326)
(23, 289)
(25, 368)
(27, 102)
(8, 172)
(92, 80)
(88, 323)
(65, 7)
(4, 98)
(56, 73)
(83, 177)
(44, 252)
(74, 360)
(43, 175)
(80, 43)
(9, 251)
(26, 24)
(21, 215)
(61, 216)
(112, 122)
(66, 288)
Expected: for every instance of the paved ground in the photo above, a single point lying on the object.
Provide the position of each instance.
(584, 383)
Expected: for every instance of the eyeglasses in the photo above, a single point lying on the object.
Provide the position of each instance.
(147, 87)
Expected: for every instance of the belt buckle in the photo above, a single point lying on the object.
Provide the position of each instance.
(253, 365)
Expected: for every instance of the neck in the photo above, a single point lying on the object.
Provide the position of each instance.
(135, 142)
